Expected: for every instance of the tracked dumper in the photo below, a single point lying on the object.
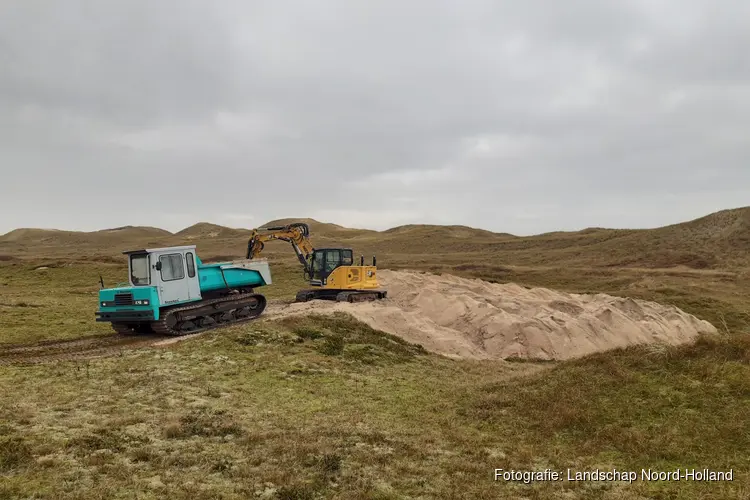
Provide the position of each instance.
(171, 292)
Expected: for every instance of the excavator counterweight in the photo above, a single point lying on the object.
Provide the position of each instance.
(331, 272)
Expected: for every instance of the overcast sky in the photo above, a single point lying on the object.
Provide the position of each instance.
(522, 117)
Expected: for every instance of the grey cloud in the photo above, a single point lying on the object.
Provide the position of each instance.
(125, 62)
(514, 116)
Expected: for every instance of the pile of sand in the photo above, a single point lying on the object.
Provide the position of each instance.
(475, 319)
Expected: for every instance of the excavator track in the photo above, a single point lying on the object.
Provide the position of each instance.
(359, 296)
(340, 295)
(209, 314)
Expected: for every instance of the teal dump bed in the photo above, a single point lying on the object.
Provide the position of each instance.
(238, 274)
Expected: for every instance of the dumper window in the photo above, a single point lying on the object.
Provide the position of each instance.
(139, 274)
(171, 267)
(190, 264)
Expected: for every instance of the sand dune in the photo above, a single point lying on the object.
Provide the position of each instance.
(468, 318)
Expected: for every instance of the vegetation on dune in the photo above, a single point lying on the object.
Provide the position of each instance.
(717, 241)
(266, 411)
(326, 407)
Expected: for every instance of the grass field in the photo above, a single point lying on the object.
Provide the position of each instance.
(321, 407)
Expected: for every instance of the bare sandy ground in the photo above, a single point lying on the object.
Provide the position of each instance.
(467, 318)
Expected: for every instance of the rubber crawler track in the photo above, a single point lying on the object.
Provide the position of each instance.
(161, 327)
(342, 296)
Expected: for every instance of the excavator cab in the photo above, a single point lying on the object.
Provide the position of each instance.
(334, 276)
(326, 260)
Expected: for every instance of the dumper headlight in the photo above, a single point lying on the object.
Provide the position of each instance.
(104, 304)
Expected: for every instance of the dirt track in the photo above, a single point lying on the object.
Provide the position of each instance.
(98, 346)
(93, 346)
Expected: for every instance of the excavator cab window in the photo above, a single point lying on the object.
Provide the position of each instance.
(326, 260)
(333, 260)
(317, 265)
(347, 258)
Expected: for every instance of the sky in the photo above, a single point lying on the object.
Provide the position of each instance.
(520, 117)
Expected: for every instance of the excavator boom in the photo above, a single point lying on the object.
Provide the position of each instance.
(297, 234)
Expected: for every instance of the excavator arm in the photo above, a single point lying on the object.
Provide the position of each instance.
(297, 234)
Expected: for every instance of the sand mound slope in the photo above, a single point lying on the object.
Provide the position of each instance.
(475, 319)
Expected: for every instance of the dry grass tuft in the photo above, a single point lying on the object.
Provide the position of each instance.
(206, 423)
(15, 452)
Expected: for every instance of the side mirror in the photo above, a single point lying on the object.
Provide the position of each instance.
(158, 266)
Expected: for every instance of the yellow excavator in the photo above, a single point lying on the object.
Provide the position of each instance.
(330, 272)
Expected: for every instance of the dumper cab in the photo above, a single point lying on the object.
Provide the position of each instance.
(171, 271)
(157, 278)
